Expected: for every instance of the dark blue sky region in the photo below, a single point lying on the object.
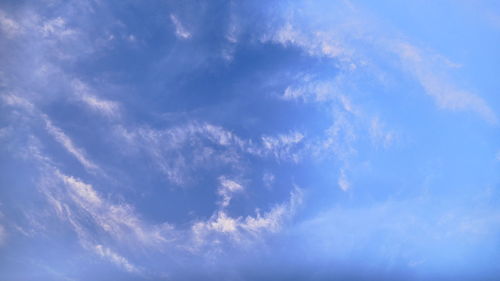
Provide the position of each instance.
(249, 140)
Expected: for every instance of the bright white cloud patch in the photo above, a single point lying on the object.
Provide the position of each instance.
(245, 229)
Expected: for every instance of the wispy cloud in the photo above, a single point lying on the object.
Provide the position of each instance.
(344, 42)
(227, 189)
(57, 133)
(3, 235)
(115, 258)
(90, 214)
(180, 30)
(436, 84)
(268, 179)
(340, 232)
(9, 26)
(245, 229)
(100, 105)
(68, 144)
(56, 27)
(379, 134)
(17, 101)
(343, 182)
(118, 220)
(283, 146)
(204, 143)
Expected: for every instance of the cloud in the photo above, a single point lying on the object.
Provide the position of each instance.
(56, 27)
(100, 105)
(57, 133)
(268, 179)
(245, 229)
(403, 230)
(379, 135)
(115, 258)
(100, 223)
(344, 42)
(180, 150)
(82, 191)
(17, 101)
(147, 153)
(118, 220)
(3, 235)
(68, 144)
(183, 149)
(8, 26)
(93, 217)
(227, 189)
(343, 182)
(105, 107)
(283, 146)
(180, 30)
(331, 44)
(437, 85)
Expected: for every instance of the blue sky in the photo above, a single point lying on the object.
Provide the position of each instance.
(243, 140)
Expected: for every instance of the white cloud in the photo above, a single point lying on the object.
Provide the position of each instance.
(331, 44)
(271, 221)
(268, 179)
(68, 144)
(437, 85)
(180, 30)
(340, 136)
(283, 146)
(3, 235)
(379, 134)
(103, 106)
(345, 40)
(115, 258)
(14, 100)
(227, 189)
(343, 181)
(310, 90)
(223, 223)
(54, 131)
(75, 202)
(82, 191)
(57, 28)
(244, 229)
(220, 135)
(232, 33)
(204, 146)
(8, 26)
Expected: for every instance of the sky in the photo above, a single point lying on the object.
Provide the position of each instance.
(249, 140)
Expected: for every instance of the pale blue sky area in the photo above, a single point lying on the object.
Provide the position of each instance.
(249, 140)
